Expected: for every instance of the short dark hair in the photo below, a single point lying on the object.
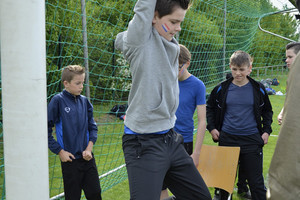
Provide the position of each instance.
(166, 7)
(70, 71)
(295, 46)
(240, 58)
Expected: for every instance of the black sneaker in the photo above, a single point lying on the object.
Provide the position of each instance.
(245, 195)
(171, 198)
(216, 197)
(217, 194)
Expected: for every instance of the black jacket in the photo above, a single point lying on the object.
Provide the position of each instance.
(216, 106)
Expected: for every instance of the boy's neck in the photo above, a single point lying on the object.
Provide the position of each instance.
(185, 76)
(240, 84)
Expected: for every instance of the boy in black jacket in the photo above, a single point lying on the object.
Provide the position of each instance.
(239, 113)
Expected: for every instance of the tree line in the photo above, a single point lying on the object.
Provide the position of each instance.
(207, 34)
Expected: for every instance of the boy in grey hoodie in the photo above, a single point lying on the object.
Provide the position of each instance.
(152, 149)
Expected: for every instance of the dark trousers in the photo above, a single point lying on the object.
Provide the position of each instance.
(81, 175)
(152, 157)
(250, 163)
(242, 182)
(188, 147)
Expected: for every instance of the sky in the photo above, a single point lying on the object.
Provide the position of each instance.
(279, 3)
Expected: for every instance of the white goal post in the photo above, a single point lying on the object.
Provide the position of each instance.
(24, 99)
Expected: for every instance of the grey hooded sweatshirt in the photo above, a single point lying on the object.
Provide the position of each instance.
(154, 94)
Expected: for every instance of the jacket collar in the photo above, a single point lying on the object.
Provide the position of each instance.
(227, 82)
(69, 95)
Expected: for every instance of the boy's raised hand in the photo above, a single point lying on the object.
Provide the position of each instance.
(65, 156)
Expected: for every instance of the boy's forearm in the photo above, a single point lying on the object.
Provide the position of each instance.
(210, 114)
(282, 110)
(93, 136)
(200, 137)
(92, 126)
(267, 119)
(89, 146)
(210, 122)
(140, 26)
(53, 144)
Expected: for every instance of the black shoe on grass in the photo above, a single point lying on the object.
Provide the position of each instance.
(245, 195)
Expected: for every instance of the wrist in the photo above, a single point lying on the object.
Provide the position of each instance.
(60, 152)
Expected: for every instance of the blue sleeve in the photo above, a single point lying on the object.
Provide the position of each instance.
(200, 94)
(93, 130)
(53, 117)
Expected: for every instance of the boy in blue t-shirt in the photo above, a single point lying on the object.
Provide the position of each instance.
(76, 132)
(191, 97)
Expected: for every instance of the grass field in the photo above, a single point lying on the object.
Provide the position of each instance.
(121, 190)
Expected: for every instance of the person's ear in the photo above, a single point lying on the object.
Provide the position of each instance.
(154, 20)
(188, 64)
(65, 83)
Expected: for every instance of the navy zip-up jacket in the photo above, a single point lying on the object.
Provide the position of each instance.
(216, 106)
(73, 119)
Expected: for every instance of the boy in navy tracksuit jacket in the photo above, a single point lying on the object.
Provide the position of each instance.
(76, 132)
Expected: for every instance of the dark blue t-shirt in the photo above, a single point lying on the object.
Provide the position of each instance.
(191, 93)
(239, 117)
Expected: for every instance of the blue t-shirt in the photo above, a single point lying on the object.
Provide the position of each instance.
(191, 93)
(130, 132)
(239, 116)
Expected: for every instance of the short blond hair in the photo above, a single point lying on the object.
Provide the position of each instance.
(70, 71)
